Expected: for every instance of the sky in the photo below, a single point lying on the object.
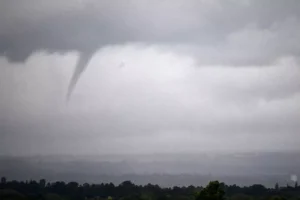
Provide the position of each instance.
(165, 76)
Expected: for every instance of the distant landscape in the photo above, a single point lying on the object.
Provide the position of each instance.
(163, 169)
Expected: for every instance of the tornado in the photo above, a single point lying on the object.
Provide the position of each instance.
(83, 61)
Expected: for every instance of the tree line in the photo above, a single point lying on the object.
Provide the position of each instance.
(215, 190)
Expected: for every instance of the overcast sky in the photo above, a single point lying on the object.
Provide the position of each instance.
(165, 76)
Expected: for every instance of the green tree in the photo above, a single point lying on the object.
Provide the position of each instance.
(213, 191)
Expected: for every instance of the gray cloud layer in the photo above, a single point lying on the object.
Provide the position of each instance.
(221, 29)
(158, 102)
(245, 95)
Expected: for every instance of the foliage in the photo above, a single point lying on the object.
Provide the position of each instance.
(42, 190)
(213, 191)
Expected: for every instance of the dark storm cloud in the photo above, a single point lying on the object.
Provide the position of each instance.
(209, 26)
(159, 100)
(56, 26)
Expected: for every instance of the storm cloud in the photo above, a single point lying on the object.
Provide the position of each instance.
(235, 30)
(196, 75)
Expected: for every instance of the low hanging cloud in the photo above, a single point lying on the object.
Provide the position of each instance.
(177, 75)
(158, 102)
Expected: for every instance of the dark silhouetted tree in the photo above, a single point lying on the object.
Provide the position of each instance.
(42, 183)
(3, 180)
(213, 191)
(276, 187)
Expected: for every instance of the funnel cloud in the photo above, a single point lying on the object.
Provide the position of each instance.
(159, 76)
(87, 26)
(82, 63)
